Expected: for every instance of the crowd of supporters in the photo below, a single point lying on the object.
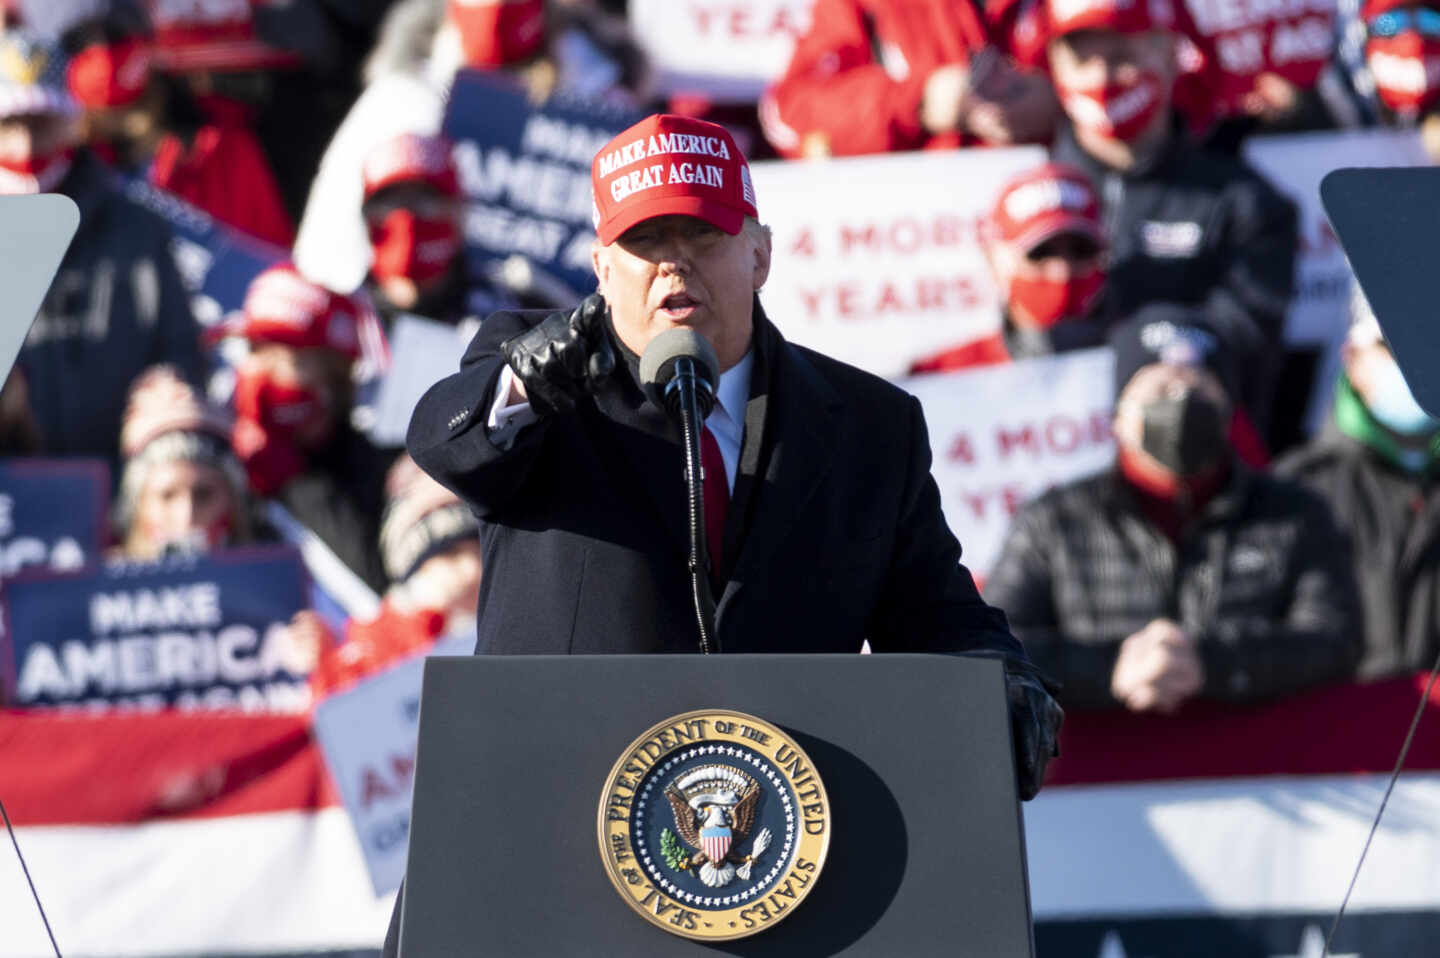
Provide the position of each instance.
(1195, 566)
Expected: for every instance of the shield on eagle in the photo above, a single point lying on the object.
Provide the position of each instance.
(715, 842)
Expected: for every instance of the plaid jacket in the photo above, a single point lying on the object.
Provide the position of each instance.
(1262, 579)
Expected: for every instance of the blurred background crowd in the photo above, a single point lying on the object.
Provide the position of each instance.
(1227, 552)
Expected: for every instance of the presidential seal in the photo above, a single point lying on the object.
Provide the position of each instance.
(714, 825)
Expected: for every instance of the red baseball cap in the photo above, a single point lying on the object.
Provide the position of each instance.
(494, 33)
(668, 164)
(411, 158)
(281, 306)
(216, 35)
(1044, 202)
(1123, 16)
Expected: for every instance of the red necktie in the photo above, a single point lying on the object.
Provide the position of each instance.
(717, 498)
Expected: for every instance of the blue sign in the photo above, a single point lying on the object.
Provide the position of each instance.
(193, 633)
(52, 513)
(216, 261)
(525, 170)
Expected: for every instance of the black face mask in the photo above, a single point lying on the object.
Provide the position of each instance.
(1186, 434)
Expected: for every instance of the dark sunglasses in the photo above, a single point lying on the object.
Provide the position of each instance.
(1074, 247)
(1423, 21)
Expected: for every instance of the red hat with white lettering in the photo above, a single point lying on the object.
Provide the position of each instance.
(1123, 16)
(495, 33)
(1045, 202)
(668, 164)
(217, 35)
(411, 158)
(281, 306)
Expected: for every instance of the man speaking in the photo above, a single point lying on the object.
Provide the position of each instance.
(824, 524)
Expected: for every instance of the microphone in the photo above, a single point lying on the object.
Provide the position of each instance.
(677, 364)
(678, 371)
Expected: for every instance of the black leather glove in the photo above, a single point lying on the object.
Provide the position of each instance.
(564, 358)
(1035, 719)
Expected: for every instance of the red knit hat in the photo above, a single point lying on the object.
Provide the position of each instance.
(1045, 202)
(411, 158)
(668, 164)
(160, 403)
(281, 306)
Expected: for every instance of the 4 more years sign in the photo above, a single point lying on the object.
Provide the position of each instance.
(192, 633)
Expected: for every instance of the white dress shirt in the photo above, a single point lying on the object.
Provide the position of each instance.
(726, 421)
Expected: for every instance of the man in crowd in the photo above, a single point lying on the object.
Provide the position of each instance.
(1186, 226)
(175, 102)
(293, 397)
(1179, 572)
(828, 530)
(1044, 244)
(1401, 67)
(872, 76)
(116, 305)
(1376, 465)
(412, 212)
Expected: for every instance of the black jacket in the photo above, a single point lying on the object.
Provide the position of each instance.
(1199, 228)
(1262, 579)
(834, 533)
(340, 497)
(116, 306)
(1393, 521)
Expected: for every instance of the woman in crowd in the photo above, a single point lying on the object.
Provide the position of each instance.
(181, 487)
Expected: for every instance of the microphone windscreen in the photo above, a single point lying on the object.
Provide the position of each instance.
(657, 363)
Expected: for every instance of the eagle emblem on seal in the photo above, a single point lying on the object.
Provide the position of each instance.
(714, 808)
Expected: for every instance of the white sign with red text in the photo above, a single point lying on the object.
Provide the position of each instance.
(1000, 435)
(368, 734)
(729, 50)
(876, 258)
(1295, 164)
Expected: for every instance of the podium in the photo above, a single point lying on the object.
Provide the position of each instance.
(517, 767)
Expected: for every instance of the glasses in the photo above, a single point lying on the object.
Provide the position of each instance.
(1422, 20)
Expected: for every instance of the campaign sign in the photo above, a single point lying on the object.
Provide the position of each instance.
(52, 513)
(368, 735)
(876, 258)
(1295, 164)
(730, 50)
(525, 171)
(216, 261)
(1000, 435)
(203, 632)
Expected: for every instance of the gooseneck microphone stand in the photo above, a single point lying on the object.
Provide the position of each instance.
(692, 397)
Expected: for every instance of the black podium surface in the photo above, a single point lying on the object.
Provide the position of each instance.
(926, 853)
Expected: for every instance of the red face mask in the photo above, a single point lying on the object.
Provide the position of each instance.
(1406, 68)
(38, 174)
(1048, 302)
(413, 247)
(105, 75)
(1121, 111)
(281, 408)
(494, 33)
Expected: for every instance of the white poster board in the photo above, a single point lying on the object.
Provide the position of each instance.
(876, 260)
(1295, 164)
(729, 50)
(368, 736)
(1000, 435)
